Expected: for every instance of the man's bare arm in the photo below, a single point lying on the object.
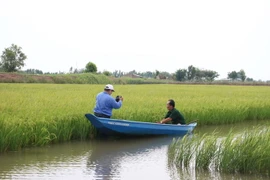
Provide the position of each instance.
(165, 120)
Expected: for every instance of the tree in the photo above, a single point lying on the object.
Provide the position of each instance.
(119, 73)
(165, 74)
(156, 74)
(148, 74)
(33, 71)
(249, 79)
(91, 67)
(210, 75)
(242, 75)
(162, 76)
(71, 69)
(115, 73)
(191, 72)
(232, 75)
(181, 74)
(199, 75)
(107, 73)
(12, 59)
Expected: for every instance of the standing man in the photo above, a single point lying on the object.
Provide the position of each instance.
(105, 103)
(173, 116)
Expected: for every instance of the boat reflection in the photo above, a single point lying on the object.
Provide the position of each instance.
(109, 158)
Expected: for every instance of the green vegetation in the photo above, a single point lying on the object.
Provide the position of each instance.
(38, 114)
(237, 153)
(35, 76)
(34, 115)
(241, 75)
(195, 74)
(90, 67)
(86, 78)
(81, 78)
(12, 59)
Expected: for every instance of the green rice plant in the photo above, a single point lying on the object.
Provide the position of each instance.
(248, 152)
(38, 114)
(182, 154)
(206, 151)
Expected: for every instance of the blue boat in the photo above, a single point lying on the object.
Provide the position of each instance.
(115, 126)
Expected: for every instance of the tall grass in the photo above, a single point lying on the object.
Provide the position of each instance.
(237, 153)
(35, 115)
(38, 114)
(208, 104)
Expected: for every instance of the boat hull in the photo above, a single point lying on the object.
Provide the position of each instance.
(112, 126)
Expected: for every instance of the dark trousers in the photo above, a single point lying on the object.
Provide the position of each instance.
(101, 115)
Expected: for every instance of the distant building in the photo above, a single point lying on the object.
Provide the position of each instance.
(161, 76)
(132, 75)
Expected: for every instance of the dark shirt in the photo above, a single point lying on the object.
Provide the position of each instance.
(176, 116)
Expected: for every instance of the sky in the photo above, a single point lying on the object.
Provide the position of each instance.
(141, 35)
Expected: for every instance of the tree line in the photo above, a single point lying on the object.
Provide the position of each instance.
(195, 74)
(240, 75)
(12, 60)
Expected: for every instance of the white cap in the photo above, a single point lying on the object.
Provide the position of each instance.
(109, 87)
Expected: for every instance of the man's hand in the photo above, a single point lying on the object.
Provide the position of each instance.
(121, 98)
(164, 121)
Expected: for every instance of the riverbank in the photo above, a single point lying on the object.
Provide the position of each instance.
(39, 114)
(91, 78)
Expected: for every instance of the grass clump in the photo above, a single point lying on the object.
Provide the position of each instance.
(248, 152)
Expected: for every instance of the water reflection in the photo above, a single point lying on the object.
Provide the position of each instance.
(125, 159)
(192, 174)
(134, 158)
(114, 159)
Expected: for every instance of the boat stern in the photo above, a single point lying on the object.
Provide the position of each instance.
(94, 120)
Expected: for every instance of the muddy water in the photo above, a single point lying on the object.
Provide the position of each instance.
(132, 158)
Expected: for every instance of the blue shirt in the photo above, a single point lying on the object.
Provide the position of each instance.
(105, 103)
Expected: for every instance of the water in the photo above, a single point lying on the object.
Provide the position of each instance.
(128, 159)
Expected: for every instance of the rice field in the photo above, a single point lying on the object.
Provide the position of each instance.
(247, 153)
(39, 114)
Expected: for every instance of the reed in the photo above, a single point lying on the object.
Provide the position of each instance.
(248, 152)
(38, 114)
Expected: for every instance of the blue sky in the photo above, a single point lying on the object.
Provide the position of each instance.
(142, 35)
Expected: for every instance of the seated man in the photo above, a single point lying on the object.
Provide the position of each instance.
(105, 103)
(173, 116)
